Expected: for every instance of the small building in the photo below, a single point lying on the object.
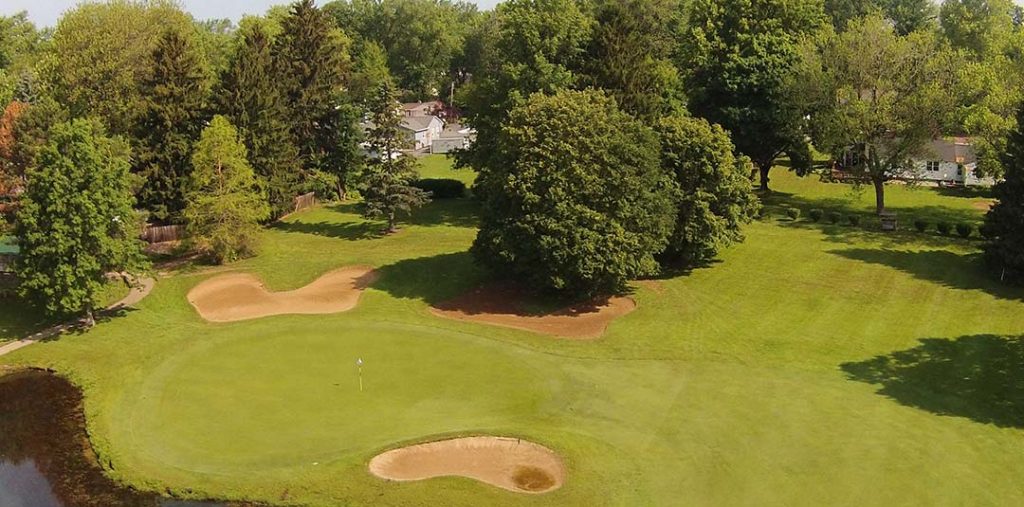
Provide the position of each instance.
(422, 109)
(422, 130)
(454, 137)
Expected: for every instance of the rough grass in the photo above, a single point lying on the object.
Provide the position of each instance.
(813, 364)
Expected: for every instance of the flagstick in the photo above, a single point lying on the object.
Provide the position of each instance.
(359, 365)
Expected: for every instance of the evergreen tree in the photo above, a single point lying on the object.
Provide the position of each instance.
(75, 223)
(311, 55)
(174, 95)
(225, 205)
(387, 179)
(250, 99)
(1004, 224)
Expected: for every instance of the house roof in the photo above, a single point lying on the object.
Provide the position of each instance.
(418, 123)
(954, 149)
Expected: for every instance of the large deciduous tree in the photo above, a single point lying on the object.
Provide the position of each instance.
(579, 203)
(737, 57)
(249, 97)
(1004, 224)
(224, 202)
(312, 58)
(75, 223)
(104, 50)
(539, 46)
(388, 176)
(173, 109)
(889, 96)
(716, 197)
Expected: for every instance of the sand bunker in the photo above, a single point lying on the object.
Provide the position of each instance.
(505, 306)
(239, 296)
(508, 463)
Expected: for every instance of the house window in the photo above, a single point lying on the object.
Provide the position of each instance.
(932, 166)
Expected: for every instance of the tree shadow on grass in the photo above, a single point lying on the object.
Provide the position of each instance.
(948, 269)
(979, 377)
(431, 279)
(776, 202)
(447, 212)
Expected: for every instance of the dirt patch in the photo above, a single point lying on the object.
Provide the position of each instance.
(241, 296)
(983, 205)
(508, 463)
(507, 306)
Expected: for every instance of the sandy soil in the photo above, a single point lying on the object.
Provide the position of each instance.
(503, 305)
(508, 463)
(240, 296)
(983, 205)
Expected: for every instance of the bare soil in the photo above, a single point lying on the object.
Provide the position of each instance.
(508, 463)
(506, 305)
(241, 296)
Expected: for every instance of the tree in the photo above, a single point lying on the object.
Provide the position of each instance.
(387, 181)
(576, 207)
(173, 111)
(982, 27)
(369, 72)
(910, 15)
(75, 223)
(738, 56)
(1004, 223)
(716, 198)
(29, 133)
(889, 95)
(249, 97)
(539, 47)
(311, 55)
(104, 49)
(630, 55)
(224, 204)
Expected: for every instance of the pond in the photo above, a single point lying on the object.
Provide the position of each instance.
(45, 457)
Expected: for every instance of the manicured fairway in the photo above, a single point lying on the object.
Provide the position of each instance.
(813, 365)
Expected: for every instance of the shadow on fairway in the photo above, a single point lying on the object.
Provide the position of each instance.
(350, 226)
(432, 279)
(949, 269)
(979, 377)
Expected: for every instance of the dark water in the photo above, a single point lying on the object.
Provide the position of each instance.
(45, 457)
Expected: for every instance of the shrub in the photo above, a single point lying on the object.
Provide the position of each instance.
(964, 230)
(944, 228)
(815, 215)
(920, 225)
(442, 188)
(834, 217)
(793, 213)
(854, 220)
(323, 184)
(986, 231)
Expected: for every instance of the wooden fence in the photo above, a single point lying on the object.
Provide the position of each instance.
(162, 233)
(305, 201)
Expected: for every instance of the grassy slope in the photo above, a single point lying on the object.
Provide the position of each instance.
(18, 319)
(743, 383)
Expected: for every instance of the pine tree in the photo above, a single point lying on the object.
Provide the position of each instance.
(250, 98)
(1004, 224)
(311, 55)
(225, 205)
(173, 114)
(387, 178)
(75, 221)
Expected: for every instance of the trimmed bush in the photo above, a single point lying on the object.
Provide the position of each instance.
(793, 213)
(964, 230)
(834, 217)
(854, 220)
(442, 188)
(920, 225)
(815, 215)
(944, 228)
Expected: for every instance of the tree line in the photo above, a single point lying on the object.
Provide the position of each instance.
(614, 138)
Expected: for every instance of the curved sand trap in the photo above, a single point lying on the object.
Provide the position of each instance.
(508, 463)
(241, 296)
(502, 305)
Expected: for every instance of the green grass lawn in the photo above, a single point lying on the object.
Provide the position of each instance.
(440, 166)
(811, 365)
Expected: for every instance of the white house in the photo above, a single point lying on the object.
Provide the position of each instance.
(948, 161)
(422, 130)
(454, 137)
